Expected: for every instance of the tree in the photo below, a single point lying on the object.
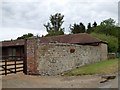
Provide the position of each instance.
(26, 36)
(119, 40)
(54, 26)
(107, 27)
(111, 40)
(108, 22)
(77, 28)
(89, 28)
(94, 24)
(82, 26)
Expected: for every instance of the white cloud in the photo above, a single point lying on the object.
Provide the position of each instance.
(32, 14)
(13, 33)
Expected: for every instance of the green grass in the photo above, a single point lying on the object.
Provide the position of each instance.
(102, 67)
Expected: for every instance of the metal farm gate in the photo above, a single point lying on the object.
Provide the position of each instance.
(13, 60)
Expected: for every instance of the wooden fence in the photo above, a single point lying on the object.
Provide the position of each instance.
(11, 64)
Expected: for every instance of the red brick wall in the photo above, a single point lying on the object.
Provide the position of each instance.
(31, 57)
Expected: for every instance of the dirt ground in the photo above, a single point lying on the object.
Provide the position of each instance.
(27, 81)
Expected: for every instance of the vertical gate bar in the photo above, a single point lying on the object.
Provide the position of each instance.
(23, 63)
(25, 57)
(5, 66)
(15, 65)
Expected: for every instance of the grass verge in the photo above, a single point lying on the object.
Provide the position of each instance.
(102, 67)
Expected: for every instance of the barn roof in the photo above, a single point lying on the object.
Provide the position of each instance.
(81, 38)
(12, 43)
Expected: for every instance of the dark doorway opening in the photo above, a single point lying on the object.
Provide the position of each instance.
(13, 60)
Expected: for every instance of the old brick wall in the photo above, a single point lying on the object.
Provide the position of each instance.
(31, 50)
(53, 59)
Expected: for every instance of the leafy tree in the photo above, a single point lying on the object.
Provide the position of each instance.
(94, 24)
(119, 39)
(77, 28)
(108, 22)
(89, 28)
(54, 26)
(26, 36)
(82, 26)
(107, 27)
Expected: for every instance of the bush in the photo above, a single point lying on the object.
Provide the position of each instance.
(111, 40)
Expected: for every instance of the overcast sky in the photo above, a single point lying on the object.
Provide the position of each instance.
(19, 17)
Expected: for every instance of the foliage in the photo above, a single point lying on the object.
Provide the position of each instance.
(119, 41)
(106, 31)
(107, 27)
(89, 28)
(26, 36)
(102, 67)
(111, 40)
(95, 24)
(54, 26)
(77, 28)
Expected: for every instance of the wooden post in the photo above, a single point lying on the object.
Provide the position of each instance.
(15, 65)
(25, 58)
(5, 66)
